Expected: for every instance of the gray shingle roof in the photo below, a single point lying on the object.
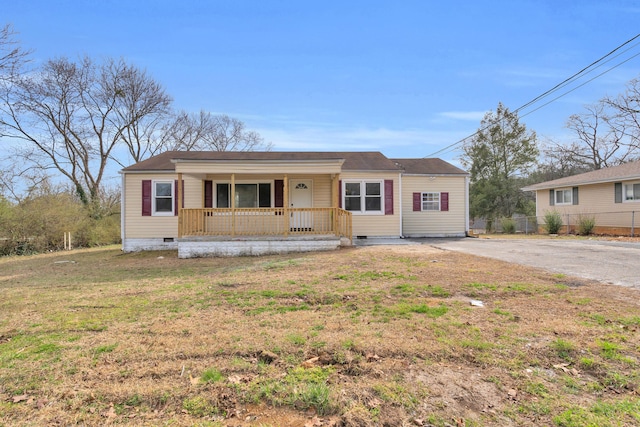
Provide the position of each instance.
(370, 160)
(432, 166)
(353, 160)
(623, 172)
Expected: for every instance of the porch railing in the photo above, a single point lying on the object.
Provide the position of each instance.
(264, 222)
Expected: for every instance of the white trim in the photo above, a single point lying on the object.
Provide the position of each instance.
(636, 197)
(422, 209)
(122, 209)
(399, 204)
(466, 204)
(153, 197)
(565, 203)
(363, 195)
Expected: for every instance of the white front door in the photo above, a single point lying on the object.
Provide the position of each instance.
(301, 196)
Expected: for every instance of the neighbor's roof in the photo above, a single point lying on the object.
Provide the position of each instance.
(353, 160)
(623, 172)
(428, 167)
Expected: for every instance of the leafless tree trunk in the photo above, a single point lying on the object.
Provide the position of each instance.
(71, 117)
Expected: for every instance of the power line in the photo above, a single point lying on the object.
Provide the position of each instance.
(584, 71)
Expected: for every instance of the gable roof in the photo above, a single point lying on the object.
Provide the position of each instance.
(354, 161)
(431, 166)
(623, 172)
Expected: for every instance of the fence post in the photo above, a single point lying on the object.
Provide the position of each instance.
(67, 241)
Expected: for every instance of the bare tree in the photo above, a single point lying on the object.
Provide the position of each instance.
(601, 140)
(71, 116)
(607, 133)
(143, 115)
(12, 55)
(18, 180)
(626, 114)
(208, 132)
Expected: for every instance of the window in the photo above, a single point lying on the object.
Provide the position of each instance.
(363, 196)
(430, 201)
(564, 196)
(631, 192)
(163, 198)
(247, 195)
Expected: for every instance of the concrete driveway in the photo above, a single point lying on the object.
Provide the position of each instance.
(611, 262)
(617, 263)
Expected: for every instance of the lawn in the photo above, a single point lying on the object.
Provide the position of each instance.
(371, 336)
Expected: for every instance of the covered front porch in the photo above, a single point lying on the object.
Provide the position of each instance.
(259, 222)
(253, 210)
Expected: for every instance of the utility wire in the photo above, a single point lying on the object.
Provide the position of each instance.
(452, 147)
(586, 70)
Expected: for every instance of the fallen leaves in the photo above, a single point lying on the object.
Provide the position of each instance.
(564, 368)
(20, 398)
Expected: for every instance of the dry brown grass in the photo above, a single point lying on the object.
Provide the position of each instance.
(359, 337)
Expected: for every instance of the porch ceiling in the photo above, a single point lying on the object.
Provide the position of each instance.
(333, 166)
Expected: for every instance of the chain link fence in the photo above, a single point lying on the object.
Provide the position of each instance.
(620, 223)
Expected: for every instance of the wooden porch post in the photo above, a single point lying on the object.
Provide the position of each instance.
(180, 213)
(335, 202)
(285, 203)
(232, 203)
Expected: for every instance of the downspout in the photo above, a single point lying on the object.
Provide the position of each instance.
(400, 204)
(122, 211)
(466, 206)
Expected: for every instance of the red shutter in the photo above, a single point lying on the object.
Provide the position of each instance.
(388, 197)
(175, 196)
(278, 193)
(417, 202)
(208, 194)
(444, 201)
(340, 194)
(146, 197)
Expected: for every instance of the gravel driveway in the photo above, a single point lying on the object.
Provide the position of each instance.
(611, 262)
(617, 263)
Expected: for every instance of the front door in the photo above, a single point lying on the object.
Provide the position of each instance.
(301, 196)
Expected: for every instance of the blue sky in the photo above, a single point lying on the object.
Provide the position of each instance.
(402, 77)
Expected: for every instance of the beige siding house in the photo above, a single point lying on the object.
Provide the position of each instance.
(252, 203)
(611, 196)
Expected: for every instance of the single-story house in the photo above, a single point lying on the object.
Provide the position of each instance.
(610, 195)
(252, 203)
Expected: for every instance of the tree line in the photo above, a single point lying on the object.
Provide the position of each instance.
(77, 117)
(504, 156)
(73, 119)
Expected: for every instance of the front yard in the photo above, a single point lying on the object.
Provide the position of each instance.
(404, 335)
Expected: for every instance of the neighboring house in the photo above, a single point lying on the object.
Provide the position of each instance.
(252, 203)
(610, 195)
